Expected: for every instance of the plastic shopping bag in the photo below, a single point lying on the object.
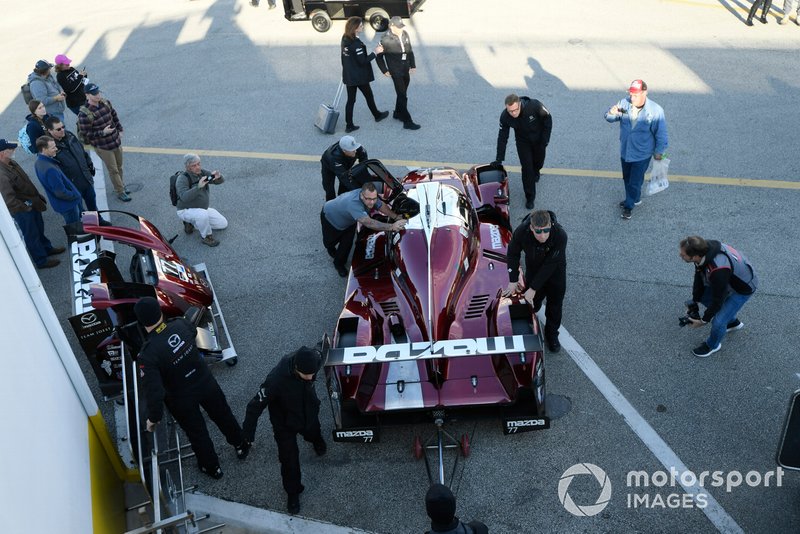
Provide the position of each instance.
(658, 176)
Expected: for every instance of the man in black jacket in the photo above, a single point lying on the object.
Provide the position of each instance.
(440, 503)
(288, 392)
(74, 160)
(724, 281)
(532, 125)
(544, 242)
(397, 62)
(174, 373)
(337, 160)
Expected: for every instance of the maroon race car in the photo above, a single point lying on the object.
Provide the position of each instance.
(425, 332)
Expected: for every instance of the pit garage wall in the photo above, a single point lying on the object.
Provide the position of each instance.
(59, 471)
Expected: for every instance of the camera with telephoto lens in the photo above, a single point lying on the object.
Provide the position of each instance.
(692, 313)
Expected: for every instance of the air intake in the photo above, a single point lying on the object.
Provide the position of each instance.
(476, 306)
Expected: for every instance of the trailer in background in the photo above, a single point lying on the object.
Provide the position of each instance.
(375, 12)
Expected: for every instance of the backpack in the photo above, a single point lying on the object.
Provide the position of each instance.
(26, 93)
(173, 190)
(24, 140)
(78, 132)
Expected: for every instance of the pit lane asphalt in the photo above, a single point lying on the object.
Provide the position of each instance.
(223, 76)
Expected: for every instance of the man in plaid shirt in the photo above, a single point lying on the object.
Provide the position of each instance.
(99, 125)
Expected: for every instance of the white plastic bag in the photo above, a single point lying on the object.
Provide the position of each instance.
(658, 177)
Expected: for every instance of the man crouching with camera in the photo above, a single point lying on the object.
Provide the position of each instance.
(724, 281)
(194, 199)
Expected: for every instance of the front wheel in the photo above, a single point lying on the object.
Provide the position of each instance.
(321, 21)
(378, 18)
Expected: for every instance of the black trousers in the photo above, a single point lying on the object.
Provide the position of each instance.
(185, 408)
(401, 104)
(531, 158)
(765, 6)
(553, 290)
(289, 455)
(337, 242)
(366, 90)
(328, 183)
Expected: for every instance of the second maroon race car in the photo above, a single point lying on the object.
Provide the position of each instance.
(425, 332)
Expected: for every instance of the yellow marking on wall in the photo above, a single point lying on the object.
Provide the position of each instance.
(585, 173)
(108, 499)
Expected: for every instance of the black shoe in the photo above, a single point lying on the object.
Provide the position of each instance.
(56, 250)
(320, 447)
(50, 263)
(293, 503)
(763, 19)
(622, 204)
(703, 351)
(396, 116)
(626, 213)
(341, 270)
(736, 324)
(380, 116)
(213, 472)
(529, 204)
(411, 125)
(188, 227)
(554, 346)
(749, 22)
(351, 128)
(243, 450)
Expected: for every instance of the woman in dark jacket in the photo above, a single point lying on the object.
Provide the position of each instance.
(357, 71)
(35, 127)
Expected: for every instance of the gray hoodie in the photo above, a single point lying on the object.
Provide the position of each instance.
(45, 89)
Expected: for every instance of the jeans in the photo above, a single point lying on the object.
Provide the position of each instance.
(32, 226)
(633, 176)
(72, 215)
(727, 313)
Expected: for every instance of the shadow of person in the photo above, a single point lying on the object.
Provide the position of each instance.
(541, 83)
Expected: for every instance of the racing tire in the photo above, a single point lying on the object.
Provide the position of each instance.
(418, 450)
(378, 18)
(321, 21)
(230, 362)
(464, 445)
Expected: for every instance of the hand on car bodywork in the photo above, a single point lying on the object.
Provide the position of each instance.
(513, 287)
(529, 294)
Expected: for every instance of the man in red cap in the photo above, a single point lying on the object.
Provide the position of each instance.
(642, 135)
(71, 81)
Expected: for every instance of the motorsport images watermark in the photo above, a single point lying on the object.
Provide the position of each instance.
(673, 489)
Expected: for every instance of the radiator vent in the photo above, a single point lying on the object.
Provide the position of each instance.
(476, 306)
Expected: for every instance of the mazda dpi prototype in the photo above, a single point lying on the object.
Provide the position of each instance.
(425, 332)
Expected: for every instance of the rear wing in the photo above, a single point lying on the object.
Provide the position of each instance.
(427, 350)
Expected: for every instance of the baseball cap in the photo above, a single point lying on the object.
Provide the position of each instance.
(61, 59)
(637, 86)
(397, 22)
(43, 65)
(91, 89)
(348, 143)
(148, 311)
(5, 145)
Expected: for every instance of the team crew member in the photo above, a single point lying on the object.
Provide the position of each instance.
(440, 504)
(337, 161)
(288, 392)
(174, 373)
(544, 243)
(357, 72)
(532, 125)
(724, 281)
(340, 215)
(397, 62)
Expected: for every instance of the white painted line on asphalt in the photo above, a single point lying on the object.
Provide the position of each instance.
(714, 511)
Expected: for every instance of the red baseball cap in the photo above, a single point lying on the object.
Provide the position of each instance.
(637, 86)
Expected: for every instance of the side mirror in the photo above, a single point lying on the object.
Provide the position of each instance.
(789, 449)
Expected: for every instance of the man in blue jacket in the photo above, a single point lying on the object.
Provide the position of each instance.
(642, 134)
(63, 195)
(75, 162)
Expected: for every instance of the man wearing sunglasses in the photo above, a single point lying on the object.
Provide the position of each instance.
(544, 243)
(75, 162)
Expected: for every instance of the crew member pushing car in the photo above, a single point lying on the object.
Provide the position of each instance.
(544, 243)
(288, 392)
(173, 371)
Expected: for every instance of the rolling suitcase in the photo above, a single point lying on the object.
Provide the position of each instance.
(327, 116)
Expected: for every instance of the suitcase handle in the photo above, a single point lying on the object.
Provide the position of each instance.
(338, 98)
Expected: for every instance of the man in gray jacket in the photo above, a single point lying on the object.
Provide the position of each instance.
(45, 88)
(194, 198)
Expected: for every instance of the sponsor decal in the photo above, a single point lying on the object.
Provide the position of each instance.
(88, 319)
(174, 340)
(494, 236)
(356, 436)
(517, 426)
(83, 250)
(174, 269)
(369, 249)
(421, 350)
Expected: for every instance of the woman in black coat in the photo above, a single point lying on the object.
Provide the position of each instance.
(357, 72)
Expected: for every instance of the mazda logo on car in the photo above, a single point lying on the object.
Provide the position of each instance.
(174, 340)
(89, 318)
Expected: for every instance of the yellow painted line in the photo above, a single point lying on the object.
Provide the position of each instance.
(711, 180)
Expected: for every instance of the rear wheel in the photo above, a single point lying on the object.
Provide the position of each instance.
(321, 21)
(378, 18)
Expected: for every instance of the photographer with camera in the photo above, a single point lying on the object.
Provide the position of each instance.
(724, 281)
(194, 198)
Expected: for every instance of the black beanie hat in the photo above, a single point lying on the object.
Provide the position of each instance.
(440, 503)
(306, 361)
(148, 311)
